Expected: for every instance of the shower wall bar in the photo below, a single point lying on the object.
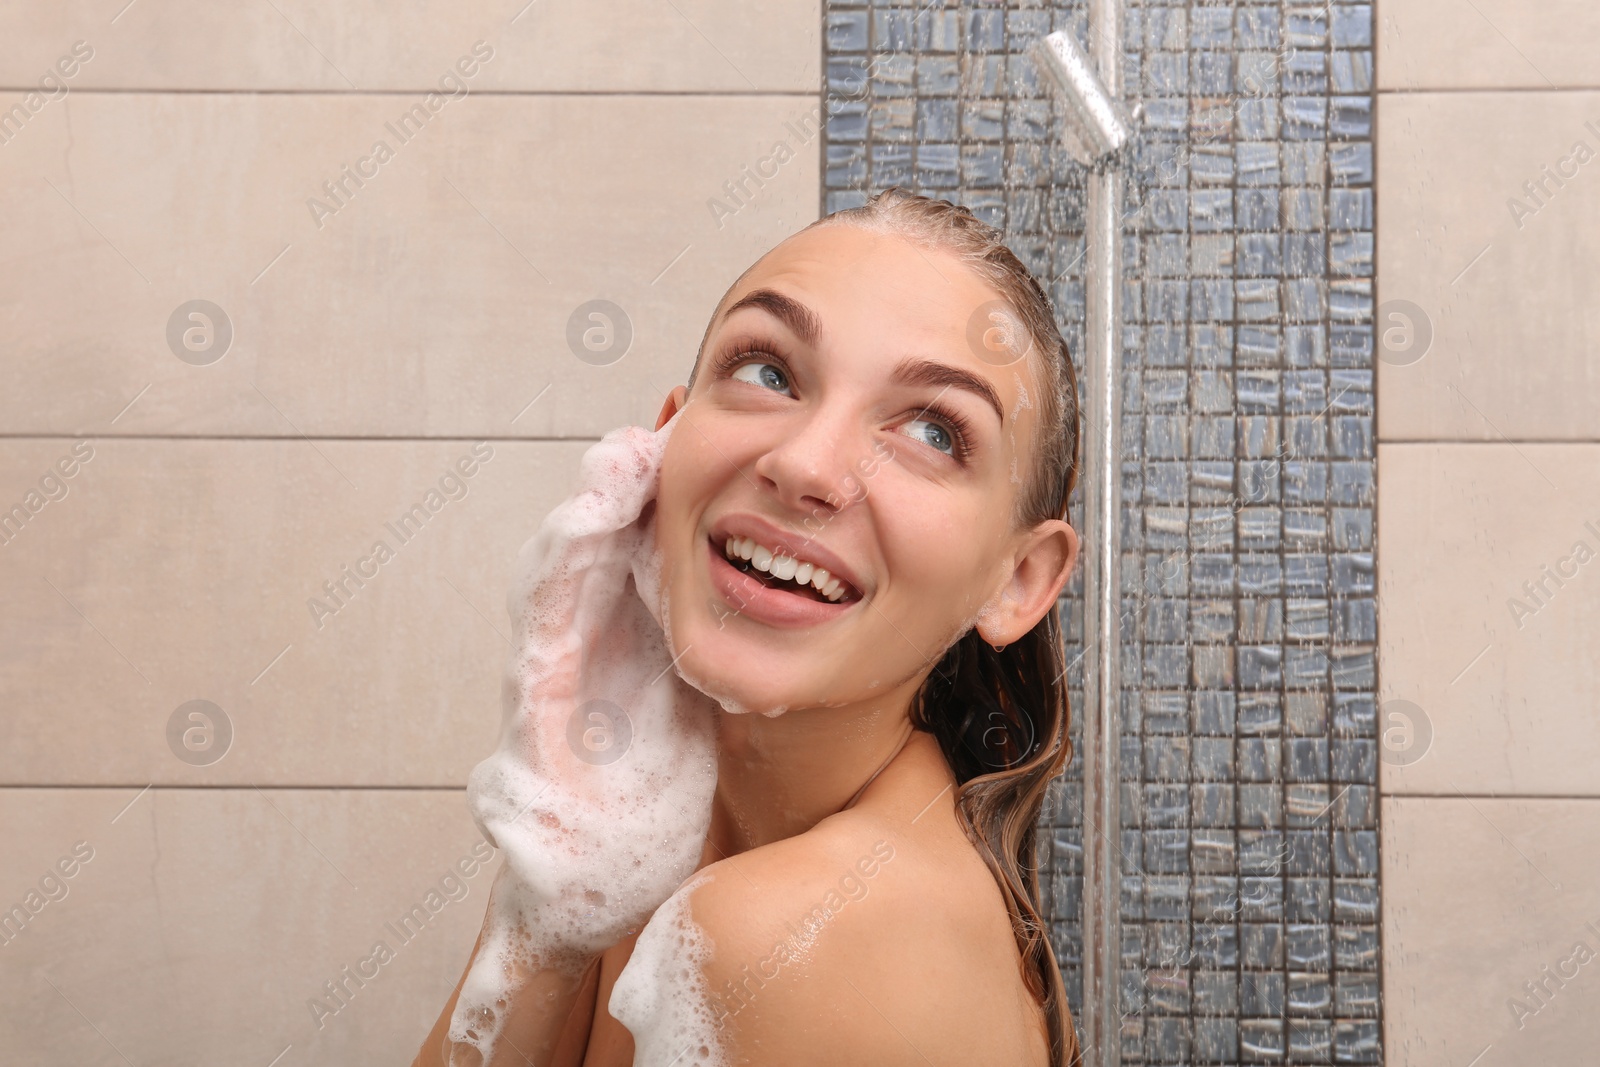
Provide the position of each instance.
(1093, 129)
(1102, 730)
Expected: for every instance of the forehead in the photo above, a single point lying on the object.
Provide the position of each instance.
(882, 295)
(884, 277)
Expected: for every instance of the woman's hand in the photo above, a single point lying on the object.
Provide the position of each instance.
(600, 791)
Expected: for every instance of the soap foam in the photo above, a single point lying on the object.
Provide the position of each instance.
(1022, 402)
(594, 841)
(662, 996)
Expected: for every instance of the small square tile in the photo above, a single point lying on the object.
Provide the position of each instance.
(1261, 993)
(846, 31)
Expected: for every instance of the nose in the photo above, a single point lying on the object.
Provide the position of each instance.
(813, 468)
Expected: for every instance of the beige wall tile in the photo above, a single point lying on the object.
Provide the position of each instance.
(176, 570)
(1507, 678)
(1513, 309)
(206, 921)
(1480, 896)
(1487, 44)
(435, 302)
(689, 45)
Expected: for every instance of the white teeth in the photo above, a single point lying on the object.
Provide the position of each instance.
(787, 568)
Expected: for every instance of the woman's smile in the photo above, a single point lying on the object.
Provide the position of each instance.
(762, 597)
(776, 577)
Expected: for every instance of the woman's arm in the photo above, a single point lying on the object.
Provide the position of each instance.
(599, 793)
(550, 1020)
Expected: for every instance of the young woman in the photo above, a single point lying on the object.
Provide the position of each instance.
(860, 526)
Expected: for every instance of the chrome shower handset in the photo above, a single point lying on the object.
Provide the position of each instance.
(1097, 126)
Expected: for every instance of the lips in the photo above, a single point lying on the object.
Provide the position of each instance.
(788, 543)
(744, 595)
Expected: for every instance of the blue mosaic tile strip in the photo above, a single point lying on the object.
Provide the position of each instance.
(1249, 739)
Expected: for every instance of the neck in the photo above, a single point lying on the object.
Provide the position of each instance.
(779, 777)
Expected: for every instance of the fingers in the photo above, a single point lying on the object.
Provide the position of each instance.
(618, 476)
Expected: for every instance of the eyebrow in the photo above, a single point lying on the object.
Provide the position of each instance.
(793, 314)
(803, 322)
(929, 372)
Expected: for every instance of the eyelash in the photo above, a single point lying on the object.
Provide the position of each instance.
(961, 428)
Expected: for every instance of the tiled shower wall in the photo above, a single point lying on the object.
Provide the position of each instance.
(1249, 742)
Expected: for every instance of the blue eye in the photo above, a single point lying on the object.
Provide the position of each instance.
(767, 375)
(939, 438)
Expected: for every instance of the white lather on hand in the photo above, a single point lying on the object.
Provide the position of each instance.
(600, 791)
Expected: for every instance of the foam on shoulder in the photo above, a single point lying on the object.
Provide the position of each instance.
(662, 995)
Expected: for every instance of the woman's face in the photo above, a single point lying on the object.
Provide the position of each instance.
(841, 416)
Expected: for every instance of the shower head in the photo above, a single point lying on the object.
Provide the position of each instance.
(1096, 125)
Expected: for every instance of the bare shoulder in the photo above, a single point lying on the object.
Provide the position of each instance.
(863, 940)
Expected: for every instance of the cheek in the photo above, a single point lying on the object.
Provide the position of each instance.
(672, 497)
(937, 555)
(692, 447)
(690, 469)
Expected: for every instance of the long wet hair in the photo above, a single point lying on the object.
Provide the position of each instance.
(1001, 716)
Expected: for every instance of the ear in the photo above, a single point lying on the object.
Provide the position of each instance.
(672, 405)
(1044, 563)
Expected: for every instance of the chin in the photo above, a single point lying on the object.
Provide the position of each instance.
(737, 693)
(744, 680)
(747, 665)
